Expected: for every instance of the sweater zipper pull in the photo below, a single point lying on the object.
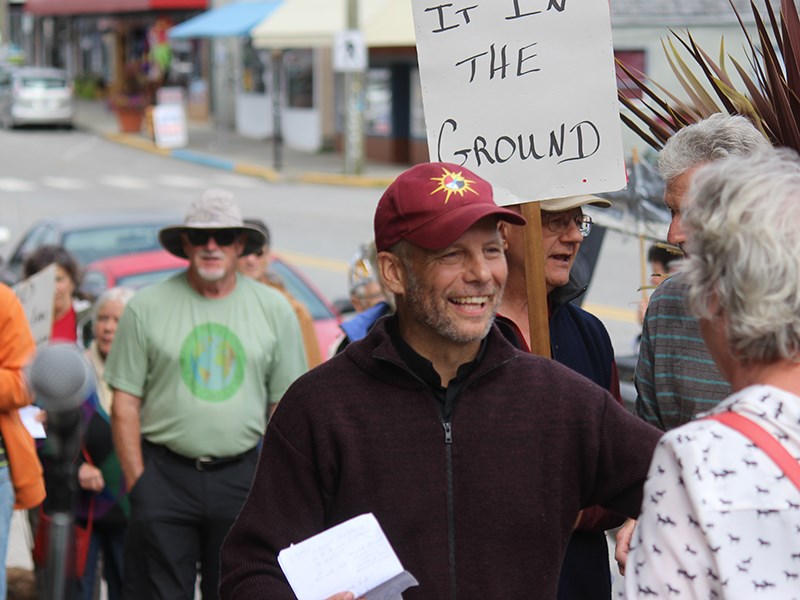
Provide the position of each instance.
(448, 432)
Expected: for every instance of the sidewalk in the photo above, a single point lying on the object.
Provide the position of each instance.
(225, 149)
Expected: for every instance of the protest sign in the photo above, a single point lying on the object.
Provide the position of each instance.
(36, 296)
(523, 92)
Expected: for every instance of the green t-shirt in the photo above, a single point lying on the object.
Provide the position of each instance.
(206, 369)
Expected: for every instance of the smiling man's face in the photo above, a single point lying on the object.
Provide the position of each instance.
(451, 295)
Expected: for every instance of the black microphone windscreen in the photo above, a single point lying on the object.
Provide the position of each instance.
(61, 377)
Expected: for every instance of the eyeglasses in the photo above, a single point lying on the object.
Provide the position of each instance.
(559, 222)
(223, 237)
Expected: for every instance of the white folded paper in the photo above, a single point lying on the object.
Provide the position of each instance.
(354, 556)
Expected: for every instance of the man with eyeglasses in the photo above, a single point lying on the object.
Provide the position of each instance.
(198, 363)
(579, 341)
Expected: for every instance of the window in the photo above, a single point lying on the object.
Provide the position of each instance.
(417, 114)
(635, 60)
(378, 114)
(254, 70)
(299, 68)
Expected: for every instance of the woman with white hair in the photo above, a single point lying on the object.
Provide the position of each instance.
(720, 517)
(102, 487)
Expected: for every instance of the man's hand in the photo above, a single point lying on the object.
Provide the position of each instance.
(624, 536)
(344, 596)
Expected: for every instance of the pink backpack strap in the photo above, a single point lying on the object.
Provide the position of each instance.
(764, 440)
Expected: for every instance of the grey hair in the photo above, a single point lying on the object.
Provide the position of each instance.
(744, 218)
(713, 138)
(116, 294)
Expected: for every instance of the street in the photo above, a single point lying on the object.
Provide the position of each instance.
(316, 227)
(46, 171)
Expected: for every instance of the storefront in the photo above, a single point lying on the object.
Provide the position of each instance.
(100, 39)
(301, 33)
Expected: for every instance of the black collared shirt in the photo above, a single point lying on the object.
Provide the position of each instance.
(423, 368)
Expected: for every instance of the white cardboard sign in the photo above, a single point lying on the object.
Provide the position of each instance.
(36, 296)
(169, 126)
(523, 92)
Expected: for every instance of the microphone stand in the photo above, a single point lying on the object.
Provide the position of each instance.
(63, 430)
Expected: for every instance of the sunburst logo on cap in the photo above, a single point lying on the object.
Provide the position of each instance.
(453, 183)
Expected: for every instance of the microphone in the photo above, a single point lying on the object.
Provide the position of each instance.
(61, 378)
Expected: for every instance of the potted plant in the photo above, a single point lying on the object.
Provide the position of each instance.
(130, 100)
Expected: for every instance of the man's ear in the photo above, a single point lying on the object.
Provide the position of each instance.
(393, 273)
(502, 227)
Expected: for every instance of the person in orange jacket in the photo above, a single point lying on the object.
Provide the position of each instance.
(21, 479)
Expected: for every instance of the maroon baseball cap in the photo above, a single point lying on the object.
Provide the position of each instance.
(432, 204)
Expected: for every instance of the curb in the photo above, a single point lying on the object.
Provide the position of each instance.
(266, 173)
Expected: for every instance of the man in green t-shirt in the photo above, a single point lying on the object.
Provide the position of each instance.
(198, 363)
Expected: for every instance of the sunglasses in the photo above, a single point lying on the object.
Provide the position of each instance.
(223, 237)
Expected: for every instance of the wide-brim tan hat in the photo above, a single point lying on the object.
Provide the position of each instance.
(570, 202)
(216, 209)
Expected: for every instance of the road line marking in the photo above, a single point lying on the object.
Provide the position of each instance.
(614, 313)
(306, 260)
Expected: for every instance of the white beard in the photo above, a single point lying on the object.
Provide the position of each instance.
(211, 275)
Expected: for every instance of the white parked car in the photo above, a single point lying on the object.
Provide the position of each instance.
(34, 96)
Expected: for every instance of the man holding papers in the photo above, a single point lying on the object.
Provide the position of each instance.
(474, 457)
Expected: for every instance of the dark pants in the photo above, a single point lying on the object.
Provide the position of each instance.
(179, 518)
(585, 573)
(110, 542)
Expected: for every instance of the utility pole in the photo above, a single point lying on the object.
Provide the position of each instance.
(354, 110)
(277, 121)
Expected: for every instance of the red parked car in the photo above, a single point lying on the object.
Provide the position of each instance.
(144, 268)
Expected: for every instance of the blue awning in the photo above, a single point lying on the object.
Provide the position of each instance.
(231, 20)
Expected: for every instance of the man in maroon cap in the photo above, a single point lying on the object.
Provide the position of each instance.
(475, 457)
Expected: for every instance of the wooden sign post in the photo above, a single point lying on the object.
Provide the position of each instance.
(523, 92)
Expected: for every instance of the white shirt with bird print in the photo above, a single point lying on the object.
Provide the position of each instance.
(719, 518)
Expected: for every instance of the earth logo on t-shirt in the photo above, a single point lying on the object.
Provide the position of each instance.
(212, 362)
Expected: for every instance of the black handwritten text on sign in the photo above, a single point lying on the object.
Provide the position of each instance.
(522, 89)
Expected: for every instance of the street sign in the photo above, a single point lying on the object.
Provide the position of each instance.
(349, 52)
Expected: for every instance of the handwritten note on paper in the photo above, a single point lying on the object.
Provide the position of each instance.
(354, 556)
(29, 415)
(523, 92)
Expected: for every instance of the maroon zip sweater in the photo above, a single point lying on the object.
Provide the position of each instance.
(482, 512)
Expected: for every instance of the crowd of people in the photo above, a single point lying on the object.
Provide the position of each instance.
(220, 433)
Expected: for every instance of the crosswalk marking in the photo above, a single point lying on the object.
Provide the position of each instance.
(125, 182)
(66, 183)
(237, 181)
(181, 181)
(9, 184)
